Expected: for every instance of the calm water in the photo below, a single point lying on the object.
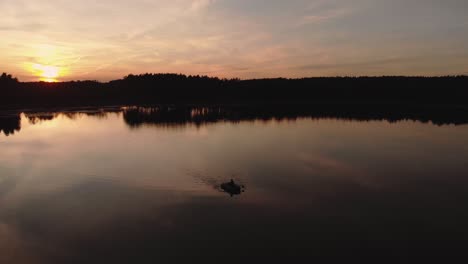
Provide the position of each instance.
(112, 187)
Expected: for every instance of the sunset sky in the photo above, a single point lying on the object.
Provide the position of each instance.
(108, 39)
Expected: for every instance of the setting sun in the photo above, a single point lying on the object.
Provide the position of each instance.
(46, 73)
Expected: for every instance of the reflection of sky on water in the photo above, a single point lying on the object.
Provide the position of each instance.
(95, 185)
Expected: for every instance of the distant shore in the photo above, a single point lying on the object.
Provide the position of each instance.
(149, 89)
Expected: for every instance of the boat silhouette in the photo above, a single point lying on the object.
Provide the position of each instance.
(232, 188)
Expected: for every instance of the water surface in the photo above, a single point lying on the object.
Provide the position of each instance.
(115, 185)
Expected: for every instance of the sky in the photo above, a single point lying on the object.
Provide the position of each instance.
(60, 40)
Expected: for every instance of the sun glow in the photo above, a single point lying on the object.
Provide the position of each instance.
(48, 63)
(47, 73)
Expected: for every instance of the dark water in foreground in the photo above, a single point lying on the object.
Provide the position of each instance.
(106, 187)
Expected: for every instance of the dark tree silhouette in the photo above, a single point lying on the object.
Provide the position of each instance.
(7, 79)
(344, 94)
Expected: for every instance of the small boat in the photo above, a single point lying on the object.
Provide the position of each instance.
(232, 188)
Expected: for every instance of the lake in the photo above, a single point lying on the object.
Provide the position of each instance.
(143, 185)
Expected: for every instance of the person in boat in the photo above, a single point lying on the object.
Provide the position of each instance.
(231, 187)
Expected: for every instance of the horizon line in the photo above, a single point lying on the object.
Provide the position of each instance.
(253, 79)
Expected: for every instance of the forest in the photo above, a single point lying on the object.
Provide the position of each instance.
(147, 89)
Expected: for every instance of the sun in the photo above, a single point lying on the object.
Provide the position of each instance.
(47, 73)
(50, 72)
(48, 63)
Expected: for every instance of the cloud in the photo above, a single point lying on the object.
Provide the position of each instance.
(359, 64)
(233, 38)
(323, 16)
(29, 27)
(200, 4)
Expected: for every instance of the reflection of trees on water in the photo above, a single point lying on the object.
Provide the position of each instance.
(10, 124)
(40, 117)
(177, 116)
(174, 116)
(35, 117)
(168, 116)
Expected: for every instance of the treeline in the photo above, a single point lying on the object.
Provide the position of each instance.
(7, 80)
(182, 89)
